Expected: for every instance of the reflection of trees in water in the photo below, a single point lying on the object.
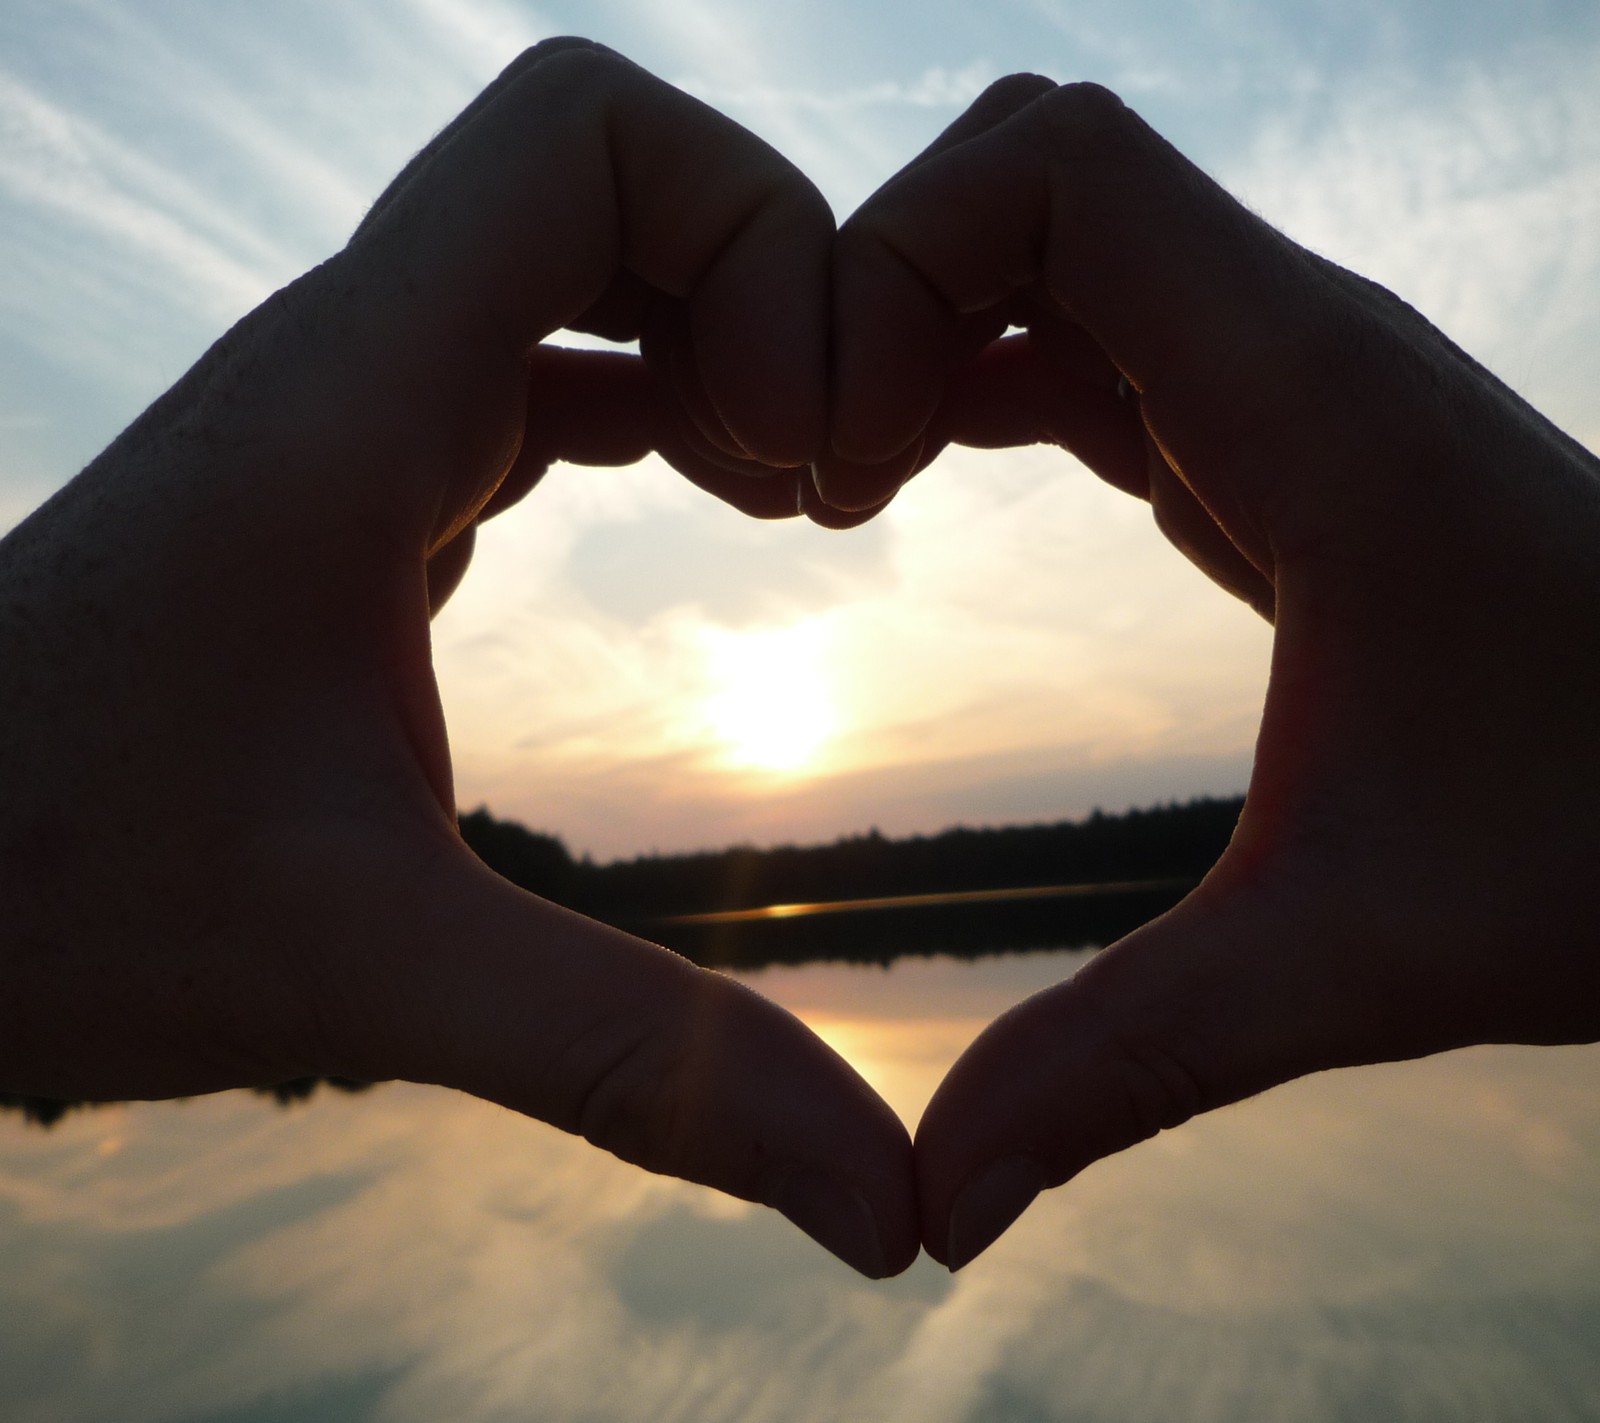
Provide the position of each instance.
(47, 1111)
(1173, 844)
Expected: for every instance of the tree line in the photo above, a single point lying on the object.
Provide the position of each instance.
(1174, 841)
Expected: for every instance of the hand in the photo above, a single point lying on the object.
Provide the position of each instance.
(1414, 868)
(228, 852)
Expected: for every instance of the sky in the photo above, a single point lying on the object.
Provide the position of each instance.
(636, 667)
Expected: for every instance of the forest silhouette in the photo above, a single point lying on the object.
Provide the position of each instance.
(965, 892)
(1125, 869)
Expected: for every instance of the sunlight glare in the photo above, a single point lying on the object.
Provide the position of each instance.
(771, 707)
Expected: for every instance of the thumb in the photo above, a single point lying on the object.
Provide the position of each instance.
(674, 1068)
(1215, 1001)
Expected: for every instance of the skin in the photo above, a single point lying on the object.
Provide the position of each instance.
(1414, 868)
(227, 845)
(228, 850)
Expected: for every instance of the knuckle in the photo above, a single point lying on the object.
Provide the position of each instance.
(810, 204)
(1086, 131)
(1014, 91)
(547, 58)
(793, 204)
(627, 1100)
(576, 69)
(1084, 113)
(860, 237)
(546, 49)
(1160, 1091)
(880, 238)
(575, 76)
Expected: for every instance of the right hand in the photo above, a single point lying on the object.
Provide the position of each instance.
(1414, 869)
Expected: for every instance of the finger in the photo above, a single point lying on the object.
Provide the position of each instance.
(1021, 392)
(1185, 524)
(768, 494)
(430, 151)
(1184, 290)
(629, 308)
(676, 1069)
(577, 168)
(849, 484)
(1041, 387)
(607, 408)
(446, 568)
(898, 334)
(826, 516)
(1004, 97)
(1212, 1003)
(718, 219)
(667, 343)
(621, 312)
(597, 408)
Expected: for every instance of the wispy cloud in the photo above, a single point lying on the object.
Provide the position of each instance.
(64, 166)
(848, 136)
(935, 88)
(485, 35)
(255, 145)
(1477, 199)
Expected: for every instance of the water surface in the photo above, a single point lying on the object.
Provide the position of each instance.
(1411, 1242)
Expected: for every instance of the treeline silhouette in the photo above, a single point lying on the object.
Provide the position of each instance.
(47, 1111)
(1162, 850)
(1128, 867)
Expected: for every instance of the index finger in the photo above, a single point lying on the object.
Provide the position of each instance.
(1075, 196)
(577, 167)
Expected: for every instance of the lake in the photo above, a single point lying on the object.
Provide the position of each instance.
(1416, 1242)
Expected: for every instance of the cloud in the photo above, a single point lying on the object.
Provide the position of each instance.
(60, 164)
(1476, 197)
(1022, 645)
(1335, 1240)
(1011, 620)
(935, 88)
(162, 172)
(847, 136)
(486, 35)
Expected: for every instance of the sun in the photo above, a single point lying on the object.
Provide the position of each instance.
(771, 704)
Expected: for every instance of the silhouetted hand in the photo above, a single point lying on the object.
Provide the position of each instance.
(228, 851)
(1415, 865)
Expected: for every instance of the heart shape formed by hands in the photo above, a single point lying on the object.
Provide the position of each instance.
(258, 875)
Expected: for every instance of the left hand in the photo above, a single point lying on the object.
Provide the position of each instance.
(228, 851)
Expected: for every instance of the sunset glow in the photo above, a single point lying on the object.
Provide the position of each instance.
(772, 707)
